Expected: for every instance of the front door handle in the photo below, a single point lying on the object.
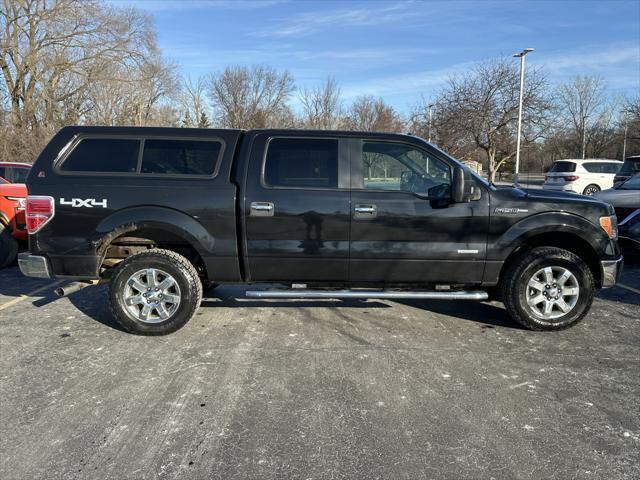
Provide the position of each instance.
(262, 209)
(365, 212)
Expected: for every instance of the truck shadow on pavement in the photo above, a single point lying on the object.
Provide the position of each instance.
(487, 313)
(92, 302)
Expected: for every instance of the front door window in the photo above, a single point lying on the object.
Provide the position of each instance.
(401, 167)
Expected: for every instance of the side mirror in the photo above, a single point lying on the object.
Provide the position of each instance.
(458, 185)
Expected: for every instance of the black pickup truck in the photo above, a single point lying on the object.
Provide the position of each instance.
(164, 213)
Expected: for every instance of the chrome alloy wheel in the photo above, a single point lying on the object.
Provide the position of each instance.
(151, 296)
(552, 292)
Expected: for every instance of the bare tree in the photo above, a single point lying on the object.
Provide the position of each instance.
(321, 106)
(371, 114)
(481, 108)
(253, 97)
(53, 50)
(580, 101)
(75, 61)
(193, 103)
(630, 125)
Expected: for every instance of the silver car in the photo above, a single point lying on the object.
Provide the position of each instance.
(625, 199)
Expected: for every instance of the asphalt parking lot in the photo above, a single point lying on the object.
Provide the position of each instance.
(316, 389)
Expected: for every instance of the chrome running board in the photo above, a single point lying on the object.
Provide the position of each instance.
(374, 294)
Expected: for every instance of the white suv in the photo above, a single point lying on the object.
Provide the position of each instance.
(581, 176)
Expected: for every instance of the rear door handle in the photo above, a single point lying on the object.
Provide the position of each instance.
(262, 209)
(365, 212)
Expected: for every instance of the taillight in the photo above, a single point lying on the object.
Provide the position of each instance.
(40, 210)
(571, 178)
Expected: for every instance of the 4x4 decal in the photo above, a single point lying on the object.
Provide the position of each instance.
(84, 202)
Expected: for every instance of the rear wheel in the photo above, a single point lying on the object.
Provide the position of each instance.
(548, 288)
(591, 189)
(8, 246)
(154, 292)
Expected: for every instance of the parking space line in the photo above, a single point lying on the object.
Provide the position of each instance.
(627, 287)
(30, 294)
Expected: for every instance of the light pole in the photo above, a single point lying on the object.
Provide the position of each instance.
(584, 136)
(521, 55)
(430, 108)
(626, 126)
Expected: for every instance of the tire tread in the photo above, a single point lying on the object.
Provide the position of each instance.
(195, 291)
(513, 273)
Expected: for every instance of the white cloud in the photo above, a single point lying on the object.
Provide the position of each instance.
(418, 83)
(619, 65)
(311, 22)
(154, 6)
(287, 56)
(592, 58)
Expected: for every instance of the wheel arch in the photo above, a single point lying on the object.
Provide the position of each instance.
(149, 227)
(562, 230)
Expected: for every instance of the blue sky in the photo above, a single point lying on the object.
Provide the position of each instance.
(400, 50)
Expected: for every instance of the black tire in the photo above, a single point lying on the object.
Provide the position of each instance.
(175, 265)
(8, 247)
(514, 286)
(591, 189)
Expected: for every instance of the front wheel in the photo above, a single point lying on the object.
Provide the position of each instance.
(154, 292)
(548, 288)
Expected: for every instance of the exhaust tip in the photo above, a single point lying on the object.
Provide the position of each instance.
(73, 287)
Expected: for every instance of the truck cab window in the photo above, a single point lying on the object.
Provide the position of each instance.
(20, 175)
(302, 162)
(180, 157)
(401, 167)
(103, 155)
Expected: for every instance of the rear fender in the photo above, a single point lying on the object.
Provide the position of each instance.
(160, 218)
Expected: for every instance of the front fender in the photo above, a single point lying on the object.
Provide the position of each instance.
(136, 218)
(550, 222)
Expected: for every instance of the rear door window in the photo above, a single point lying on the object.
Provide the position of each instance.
(181, 157)
(103, 155)
(610, 167)
(593, 167)
(302, 162)
(563, 167)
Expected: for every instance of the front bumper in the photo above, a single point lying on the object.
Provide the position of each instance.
(34, 265)
(611, 271)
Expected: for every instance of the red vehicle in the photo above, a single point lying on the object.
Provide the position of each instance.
(12, 219)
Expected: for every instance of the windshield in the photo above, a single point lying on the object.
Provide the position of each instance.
(630, 166)
(632, 184)
(563, 167)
